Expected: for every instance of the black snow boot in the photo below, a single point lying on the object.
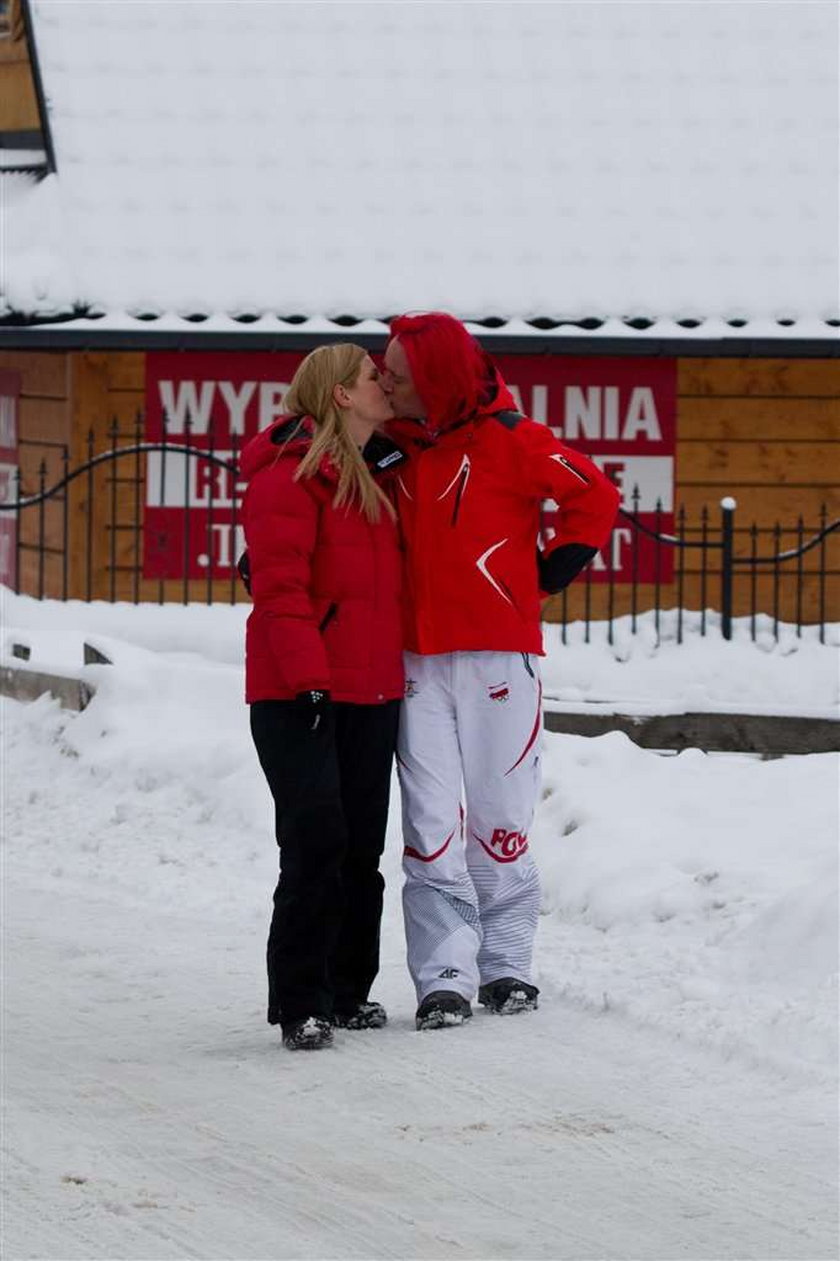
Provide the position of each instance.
(441, 1009)
(508, 997)
(362, 1016)
(309, 1034)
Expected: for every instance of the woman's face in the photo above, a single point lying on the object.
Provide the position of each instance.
(366, 400)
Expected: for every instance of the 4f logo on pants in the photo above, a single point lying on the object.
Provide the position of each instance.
(504, 847)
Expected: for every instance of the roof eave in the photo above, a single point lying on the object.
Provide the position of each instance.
(66, 337)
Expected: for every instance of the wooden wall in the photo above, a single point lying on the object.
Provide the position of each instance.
(766, 431)
(44, 427)
(18, 103)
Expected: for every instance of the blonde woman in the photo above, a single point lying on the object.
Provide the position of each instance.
(323, 681)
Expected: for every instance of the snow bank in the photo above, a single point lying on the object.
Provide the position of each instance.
(698, 893)
(650, 672)
(642, 672)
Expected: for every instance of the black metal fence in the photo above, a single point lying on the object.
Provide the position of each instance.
(795, 554)
(720, 569)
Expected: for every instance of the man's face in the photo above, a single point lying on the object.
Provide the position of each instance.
(398, 384)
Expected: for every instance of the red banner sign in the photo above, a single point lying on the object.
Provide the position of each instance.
(620, 412)
(215, 401)
(9, 401)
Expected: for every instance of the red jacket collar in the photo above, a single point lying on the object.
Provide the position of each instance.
(290, 436)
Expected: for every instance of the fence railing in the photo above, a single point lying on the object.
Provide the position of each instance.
(722, 577)
(121, 567)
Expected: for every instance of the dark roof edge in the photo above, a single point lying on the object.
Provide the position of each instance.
(38, 84)
(33, 337)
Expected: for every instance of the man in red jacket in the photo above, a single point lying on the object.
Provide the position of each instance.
(469, 501)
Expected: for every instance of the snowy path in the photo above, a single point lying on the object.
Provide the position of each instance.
(674, 1097)
(150, 1114)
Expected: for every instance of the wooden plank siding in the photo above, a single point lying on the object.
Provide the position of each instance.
(746, 419)
(766, 431)
(44, 372)
(18, 102)
(761, 378)
(43, 432)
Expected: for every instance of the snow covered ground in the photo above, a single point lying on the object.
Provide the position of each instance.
(675, 1095)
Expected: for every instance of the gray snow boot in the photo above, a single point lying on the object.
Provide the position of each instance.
(441, 1009)
(508, 997)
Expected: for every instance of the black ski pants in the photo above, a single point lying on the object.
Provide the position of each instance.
(330, 788)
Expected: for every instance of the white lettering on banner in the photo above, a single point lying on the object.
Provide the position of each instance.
(594, 412)
(208, 483)
(641, 418)
(539, 403)
(224, 555)
(237, 401)
(619, 540)
(583, 412)
(653, 474)
(8, 427)
(191, 401)
(271, 401)
(610, 417)
(186, 404)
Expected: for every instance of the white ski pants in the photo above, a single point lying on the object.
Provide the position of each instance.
(469, 765)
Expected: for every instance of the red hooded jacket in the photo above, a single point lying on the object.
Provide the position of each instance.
(470, 502)
(325, 581)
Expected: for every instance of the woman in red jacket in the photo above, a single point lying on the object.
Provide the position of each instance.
(323, 681)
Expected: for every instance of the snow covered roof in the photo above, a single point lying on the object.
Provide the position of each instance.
(659, 163)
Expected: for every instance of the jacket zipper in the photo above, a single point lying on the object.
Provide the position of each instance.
(328, 617)
(462, 481)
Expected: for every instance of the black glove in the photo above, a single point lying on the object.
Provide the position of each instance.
(560, 567)
(313, 707)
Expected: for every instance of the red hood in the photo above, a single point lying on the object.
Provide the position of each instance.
(269, 446)
(499, 397)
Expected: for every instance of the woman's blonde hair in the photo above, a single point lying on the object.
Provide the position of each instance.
(311, 393)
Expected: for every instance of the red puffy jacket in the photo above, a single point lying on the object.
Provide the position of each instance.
(325, 582)
(470, 502)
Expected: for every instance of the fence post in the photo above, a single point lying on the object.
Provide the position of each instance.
(18, 521)
(727, 533)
